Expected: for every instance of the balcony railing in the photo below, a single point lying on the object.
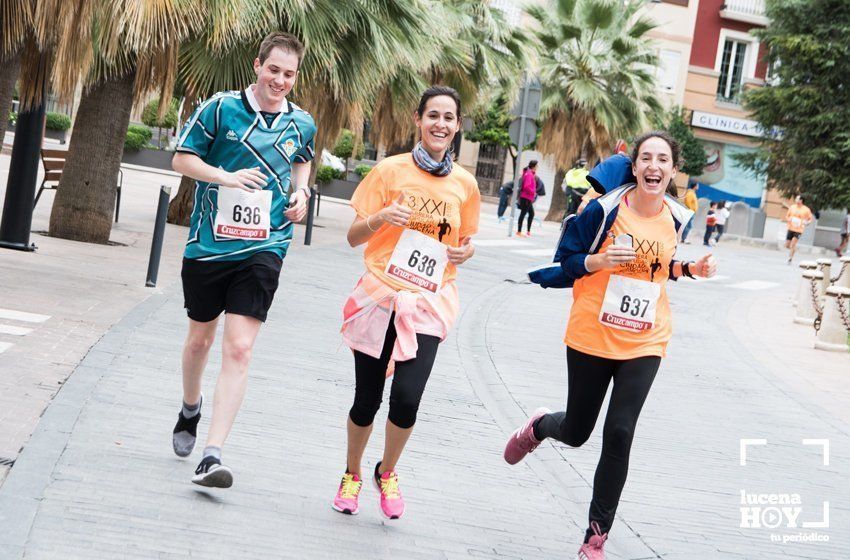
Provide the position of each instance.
(749, 11)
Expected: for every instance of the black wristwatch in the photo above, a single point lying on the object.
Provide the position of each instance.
(686, 270)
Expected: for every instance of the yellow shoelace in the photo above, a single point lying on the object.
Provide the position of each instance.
(349, 487)
(389, 486)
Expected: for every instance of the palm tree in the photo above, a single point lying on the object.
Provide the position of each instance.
(596, 68)
(127, 50)
(15, 24)
(477, 53)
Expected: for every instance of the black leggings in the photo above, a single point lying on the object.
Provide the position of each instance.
(525, 206)
(408, 385)
(587, 382)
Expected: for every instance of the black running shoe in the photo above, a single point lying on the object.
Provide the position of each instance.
(185, 432)
(212, 473)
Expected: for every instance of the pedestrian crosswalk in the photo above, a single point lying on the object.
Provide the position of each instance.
(14, 315)
(10, 330)
(13, 330)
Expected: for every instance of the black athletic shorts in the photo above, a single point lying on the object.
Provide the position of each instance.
(244, 287)
(792, 235)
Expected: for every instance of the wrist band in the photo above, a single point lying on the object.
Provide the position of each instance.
(368, 225)
(306, 190)
(686, 269)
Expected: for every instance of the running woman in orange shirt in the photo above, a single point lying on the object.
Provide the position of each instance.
(798, 217)
(620, 253)
(416, 212)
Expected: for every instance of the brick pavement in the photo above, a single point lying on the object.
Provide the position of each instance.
(98, 479)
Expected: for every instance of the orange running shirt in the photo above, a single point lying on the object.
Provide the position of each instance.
(445, 208)
(797, 217)
(654, 240)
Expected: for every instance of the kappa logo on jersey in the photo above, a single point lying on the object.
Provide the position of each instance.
(289, 147)
(232, 136)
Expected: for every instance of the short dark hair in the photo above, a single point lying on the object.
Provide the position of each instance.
(435, 91)
(675, 150)
(802, 198)
(532, 163)
(287, 42)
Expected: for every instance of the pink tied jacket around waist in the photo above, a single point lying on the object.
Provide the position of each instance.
(367, 312)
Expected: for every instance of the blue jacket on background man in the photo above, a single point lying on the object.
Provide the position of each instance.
(583, 235)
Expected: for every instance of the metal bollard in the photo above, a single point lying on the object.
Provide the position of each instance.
(318, 199)
(158, 235)
(311, 205)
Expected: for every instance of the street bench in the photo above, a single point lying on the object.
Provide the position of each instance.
(54, 162)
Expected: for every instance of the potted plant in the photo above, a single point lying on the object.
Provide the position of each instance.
(151, 118)
(56, 126)
(362, 169)
(139, 151)
(332, 183)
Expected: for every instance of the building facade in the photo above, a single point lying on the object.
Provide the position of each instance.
(725, 60)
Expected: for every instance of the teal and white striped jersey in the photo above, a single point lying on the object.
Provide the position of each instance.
(228, 131)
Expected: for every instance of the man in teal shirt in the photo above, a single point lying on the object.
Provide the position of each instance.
(249, 152)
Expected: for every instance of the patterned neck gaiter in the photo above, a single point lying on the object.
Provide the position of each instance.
(426, 163)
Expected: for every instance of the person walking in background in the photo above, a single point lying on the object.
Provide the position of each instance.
(527, 196)
(576, 186)
(505, 192)
(845, 235)
(710, 224)
(692, 204)
(798, 217)
(722, 214)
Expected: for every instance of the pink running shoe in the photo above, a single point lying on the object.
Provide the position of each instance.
(594, 549)
(348, 494)
(392, 504)
(522, 441)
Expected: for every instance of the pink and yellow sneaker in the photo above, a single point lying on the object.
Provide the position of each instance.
(594, 548)
(392, 504)
(522, 441)
(346, 500)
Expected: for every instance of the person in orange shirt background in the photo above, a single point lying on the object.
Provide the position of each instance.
(619, 252)
(798, 217)
(693, 205)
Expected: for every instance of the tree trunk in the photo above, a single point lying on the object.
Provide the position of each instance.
(558, 206)
(85, 199)
(11, 69)
(180, 207)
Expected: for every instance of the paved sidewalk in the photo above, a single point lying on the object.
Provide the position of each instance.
(98, 478)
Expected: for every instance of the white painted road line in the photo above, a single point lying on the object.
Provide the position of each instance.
(11, 314)
(754, 285)
(5, 346)
(15, 331)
